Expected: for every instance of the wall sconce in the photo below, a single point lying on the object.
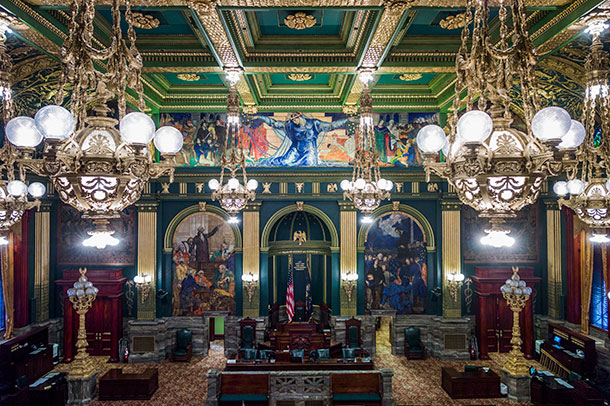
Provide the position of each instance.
(454, 282)
(143, 284)
(349, 283)
(250, 281)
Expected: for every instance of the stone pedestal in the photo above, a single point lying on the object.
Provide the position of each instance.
(213, 387)
(81, 390)
(386, 387)
(518, 386)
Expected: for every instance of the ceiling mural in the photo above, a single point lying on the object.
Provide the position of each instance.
(302, 56)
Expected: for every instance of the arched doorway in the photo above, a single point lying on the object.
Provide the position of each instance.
(300, 241)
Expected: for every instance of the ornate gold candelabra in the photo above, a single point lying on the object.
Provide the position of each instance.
(349, 283)
(454, 283)
(82, 296)
(250, 283)
(516, 294)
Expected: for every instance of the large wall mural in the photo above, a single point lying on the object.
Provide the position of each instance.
(395, 265)
(203, 265)
(72, 229)
(298, 139)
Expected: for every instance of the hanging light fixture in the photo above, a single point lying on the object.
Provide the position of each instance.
(496, 168)
(367, 188)
(588, 185)
(13, 190)
(233, 195)
(98, 164)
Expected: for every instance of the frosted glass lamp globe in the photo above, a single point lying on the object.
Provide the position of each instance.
(137, 128)
(23, 133)
(475, 126)
(54, 122)
(575, 186)
(252, 184)
(561, 188)
(551, 123)
(233, 183)
(346, 184)
(213, 184)
(37, 189)
(168, 140)
(431, 138)
(360, 183)
(17, 188)
(574, 137)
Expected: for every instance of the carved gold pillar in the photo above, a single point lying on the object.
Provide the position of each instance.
(147, 257)
(553, 249)
(251, 259)
(42, 224)
(348, 263)
(452, 255)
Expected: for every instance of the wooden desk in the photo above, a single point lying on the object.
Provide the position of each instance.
(115, 385)
(298, 336)
(470, 385)
(545, 390)
(50, 390)
(333, 365)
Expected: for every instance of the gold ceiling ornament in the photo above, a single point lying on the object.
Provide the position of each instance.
(144, 21)
(588, 185)
(454, 22)
(367, 188)
(300, 77)
(189, 77)
(94, 166)
(300, 21)
(494, 167)
(233, 195)
(250, 109)
(410, 77)
(350, 109)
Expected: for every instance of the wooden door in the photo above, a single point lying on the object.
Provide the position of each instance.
(504, 325)
(99, 327)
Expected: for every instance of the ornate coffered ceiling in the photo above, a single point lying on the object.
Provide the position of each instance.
(187, 43)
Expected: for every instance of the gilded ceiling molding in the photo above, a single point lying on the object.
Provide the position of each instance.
(309, 3)
(300, 77)
(454, 22)
(181, 69)
(188, 77)
(300, 21)
(410, 77)
(560, 16)
(144, 21)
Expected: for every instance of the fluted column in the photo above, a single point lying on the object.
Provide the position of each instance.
(251, 258)
(554, 266)
(452, 255)
(348, 261)
(147, 257)
(42, 250)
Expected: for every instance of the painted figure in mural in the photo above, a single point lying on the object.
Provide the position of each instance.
(202, 248)
(225, 280)
(299, 136)
(382, 140)
(396, 296)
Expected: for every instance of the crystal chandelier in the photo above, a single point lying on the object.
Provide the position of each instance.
(13, 190)
(496, 168)
(367, 188)
(95, 167)
(588, 184)
(233, 195)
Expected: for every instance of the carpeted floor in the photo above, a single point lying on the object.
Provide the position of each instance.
(415, 382)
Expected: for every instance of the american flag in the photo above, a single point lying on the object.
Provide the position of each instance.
(290, 295)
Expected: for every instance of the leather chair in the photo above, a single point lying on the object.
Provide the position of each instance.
(297, 355)
(414, 348)
(323, 354)
(183, 350)
(248, 333)
(299, 311)
(353, 336)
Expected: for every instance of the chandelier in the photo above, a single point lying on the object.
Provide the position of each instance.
(97, 163)
(367, 188)
(588, 184)
(233, 195)
(13, 190)
(496, 168)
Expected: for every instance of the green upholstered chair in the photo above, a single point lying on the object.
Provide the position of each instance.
(297, 355)
(183, 350)
(349, 353)
(266, 354)
(414, 348)
(247, 338)
(323, 354)
(250, 354)
(352, 334)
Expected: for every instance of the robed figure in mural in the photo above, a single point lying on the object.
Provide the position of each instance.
(299, 135)
(202, 246)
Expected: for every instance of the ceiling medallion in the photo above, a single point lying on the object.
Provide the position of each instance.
(300, 21)
(144, 21)
(188, 77)
(409, 77)
(300, 77)
(454, 22)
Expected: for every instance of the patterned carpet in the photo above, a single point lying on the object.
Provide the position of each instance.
(415, 382)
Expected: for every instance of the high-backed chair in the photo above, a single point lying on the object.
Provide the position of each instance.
(247, 329)
(274, 316)
(324, 317)
(299, 311)
(183, 350)
(353, 337)
(414, 348)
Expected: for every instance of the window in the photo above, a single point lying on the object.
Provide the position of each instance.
(599, 303)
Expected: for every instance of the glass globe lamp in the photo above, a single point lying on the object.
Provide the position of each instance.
(23, 133)
(561, 188)
(37, 189)
(474, 127)
(168, 140)
(137, 128)
(574, 137)
(551, 123)
(54, 122)
(17, 188)
(431, 139)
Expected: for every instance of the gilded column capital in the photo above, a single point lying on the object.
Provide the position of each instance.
(551, 204)
(253, 206)
(346, 206)
(45, 206)
(147, 207)
(451, 205)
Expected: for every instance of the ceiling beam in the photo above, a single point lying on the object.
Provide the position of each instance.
(306, 3)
